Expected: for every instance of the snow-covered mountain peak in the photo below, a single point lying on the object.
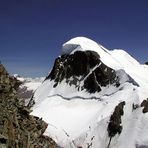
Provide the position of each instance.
(84, 64)
(85, 44)
(81, 44)
(94, 98)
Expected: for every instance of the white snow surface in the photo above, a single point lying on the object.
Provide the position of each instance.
(84, 44)
(30, 83)
(77, 118)
(28, 86)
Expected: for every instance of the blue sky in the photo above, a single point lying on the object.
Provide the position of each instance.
(33, 31)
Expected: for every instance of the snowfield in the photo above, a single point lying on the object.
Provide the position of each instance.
(28, 86)
(80, 119)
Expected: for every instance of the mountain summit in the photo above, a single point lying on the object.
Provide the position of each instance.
(94, 97)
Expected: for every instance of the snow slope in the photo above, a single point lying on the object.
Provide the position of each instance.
(80, 119)
(28, 86)
(84, 44)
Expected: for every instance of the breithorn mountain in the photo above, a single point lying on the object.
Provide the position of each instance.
(94, 98)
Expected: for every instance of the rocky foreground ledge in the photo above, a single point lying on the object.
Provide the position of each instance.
(18, 129)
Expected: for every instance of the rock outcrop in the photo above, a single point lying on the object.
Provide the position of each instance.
(114, 126)
(83, 67)
(144, 104)
(18, 129)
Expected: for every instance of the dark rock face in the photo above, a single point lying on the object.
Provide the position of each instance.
(18, 129)
(145, 105)
(83, 66)
(146, 63)
(114, 125)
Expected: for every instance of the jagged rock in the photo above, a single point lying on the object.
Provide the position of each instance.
(145, 105)
(24, 93)
(114, 125)
(18, 129)
(83, 66)
(135, 106)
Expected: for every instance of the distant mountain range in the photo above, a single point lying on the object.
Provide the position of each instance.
(28, 86)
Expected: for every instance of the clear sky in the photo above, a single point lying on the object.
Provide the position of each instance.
(33, 31)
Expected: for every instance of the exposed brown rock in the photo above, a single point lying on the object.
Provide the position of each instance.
(18, 129)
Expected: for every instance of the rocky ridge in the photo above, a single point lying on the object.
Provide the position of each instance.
(18, 129)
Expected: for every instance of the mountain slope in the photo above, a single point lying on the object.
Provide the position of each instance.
(28, 86)
(93, 97)
(18, 129)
